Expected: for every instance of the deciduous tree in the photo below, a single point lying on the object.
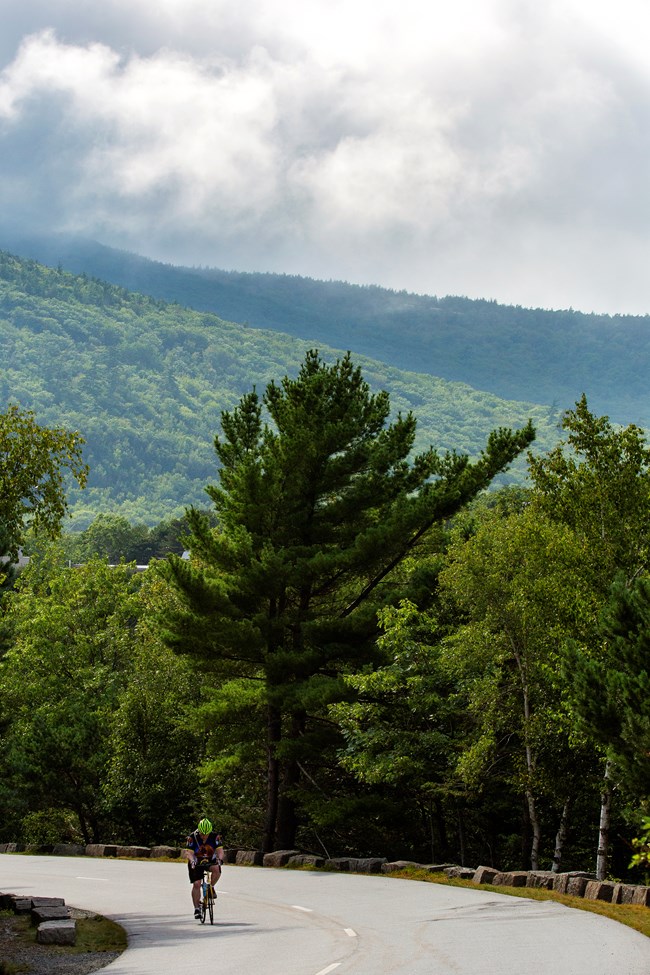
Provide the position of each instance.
(33, 463)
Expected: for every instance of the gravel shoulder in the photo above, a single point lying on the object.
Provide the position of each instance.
(18, 955)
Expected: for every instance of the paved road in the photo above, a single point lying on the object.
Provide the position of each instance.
(281, 922)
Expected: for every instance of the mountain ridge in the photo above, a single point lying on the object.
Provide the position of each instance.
(516, 353)
(145, 382)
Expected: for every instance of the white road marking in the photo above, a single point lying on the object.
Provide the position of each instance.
(330, 968)
(297, 907)
(101, 880)
(351, 933)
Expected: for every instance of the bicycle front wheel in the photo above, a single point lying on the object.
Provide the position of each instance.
(210, 900)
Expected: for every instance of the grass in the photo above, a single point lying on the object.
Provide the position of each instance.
(633, 915)
(94, 933)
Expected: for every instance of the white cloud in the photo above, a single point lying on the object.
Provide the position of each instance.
(495, 149)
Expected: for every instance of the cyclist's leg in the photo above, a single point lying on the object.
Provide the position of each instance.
(196, 893)
(215, 873)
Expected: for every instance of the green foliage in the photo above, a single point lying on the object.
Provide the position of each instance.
(611, 687)
(641, 844)
(112, 537)
(514, 352)
(151, 781)
(61, 680)
(318, 509)
(33, 462)
(519, 582)
(597, 481)
(145, 382)
(49, 826)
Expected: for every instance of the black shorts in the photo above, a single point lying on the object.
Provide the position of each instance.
(196, 873)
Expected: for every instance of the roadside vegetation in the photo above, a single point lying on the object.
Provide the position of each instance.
(366, 650)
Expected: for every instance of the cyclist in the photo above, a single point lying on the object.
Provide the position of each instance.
(203, 846)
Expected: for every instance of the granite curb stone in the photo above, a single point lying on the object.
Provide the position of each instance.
(57, 932)
(305, 860)
(250, 858)
(573, 883)
(68, 850)
(100, 850)
(52, 912)
(279, 858)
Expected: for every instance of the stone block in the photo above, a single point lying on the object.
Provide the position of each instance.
(133, 852)
(338, 863)
(48, 902)
(460, 873)
(543, 879)
(279, 858)
(52, 913)
(367, 864)
(623, 894)
(250, 858)
(561, 881)
(484, 875)
(398, 865)
(165, 852)
(21, 905)
(68, 850)
(599, 890)
(512, 878)
(57, 933)
(100, 850)
(435, 867)
(230, 855)
(305, 860)
(641, 896)
(576, 886)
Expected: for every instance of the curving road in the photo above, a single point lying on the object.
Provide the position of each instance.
(282, 922)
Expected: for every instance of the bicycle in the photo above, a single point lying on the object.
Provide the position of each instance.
(207, 895)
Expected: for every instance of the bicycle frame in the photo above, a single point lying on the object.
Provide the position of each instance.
(207, 896)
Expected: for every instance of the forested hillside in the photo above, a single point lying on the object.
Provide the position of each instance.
(145, 383)
(516, 353)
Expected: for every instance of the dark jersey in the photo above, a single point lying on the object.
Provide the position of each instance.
(204, 849)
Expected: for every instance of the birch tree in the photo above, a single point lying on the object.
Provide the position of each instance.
(597, 481)
(519, 583)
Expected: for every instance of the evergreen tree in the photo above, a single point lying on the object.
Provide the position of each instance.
(318, 506)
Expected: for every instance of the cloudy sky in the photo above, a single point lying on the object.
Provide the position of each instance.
(491, 148)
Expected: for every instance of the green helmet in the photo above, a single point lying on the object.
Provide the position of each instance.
(205, 826)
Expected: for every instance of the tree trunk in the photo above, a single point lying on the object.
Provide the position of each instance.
(287, 823)
(560, 838)
(603, 828)
(535, 826)
(461, 834)
(530, 764)
(274, 731)
(287, 818)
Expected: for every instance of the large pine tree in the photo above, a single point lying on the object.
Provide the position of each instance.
(318, 505)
